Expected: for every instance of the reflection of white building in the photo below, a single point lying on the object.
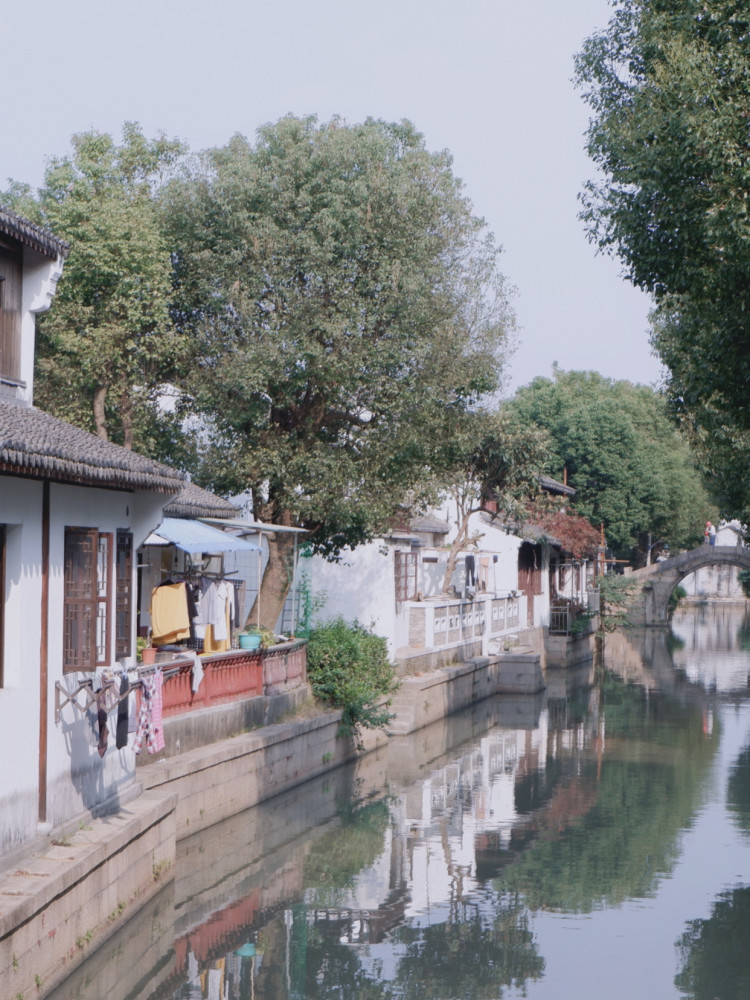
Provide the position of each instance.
(437, 822)
(714, 645)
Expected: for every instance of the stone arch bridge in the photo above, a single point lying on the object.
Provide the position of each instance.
(650, 605)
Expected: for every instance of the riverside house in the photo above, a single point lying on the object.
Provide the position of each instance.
(501, 594)
(73, 511)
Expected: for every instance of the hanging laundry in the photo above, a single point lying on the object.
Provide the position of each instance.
(150, 725)
(101, 715)
(215, 611)
(197, 671)
(170, 621)
(121, 733)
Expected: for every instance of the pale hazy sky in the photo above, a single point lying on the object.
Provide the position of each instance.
(487, 79)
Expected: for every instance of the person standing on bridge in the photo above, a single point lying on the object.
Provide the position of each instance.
(711, 533)
(707, 532)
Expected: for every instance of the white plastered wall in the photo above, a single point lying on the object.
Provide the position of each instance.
(21, 512)
(360, 586)
(40, 277)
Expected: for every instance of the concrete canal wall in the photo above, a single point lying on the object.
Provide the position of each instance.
(424, 699)
(214, 782)
(60, 905)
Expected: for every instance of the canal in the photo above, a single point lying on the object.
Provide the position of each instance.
(590, 842)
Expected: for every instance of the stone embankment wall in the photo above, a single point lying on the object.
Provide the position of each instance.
(424, 699)
(63, 903)
(214, 782)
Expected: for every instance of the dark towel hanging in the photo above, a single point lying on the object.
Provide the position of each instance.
(121, 734)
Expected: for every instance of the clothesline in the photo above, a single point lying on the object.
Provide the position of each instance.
(64, 696)
(200, 611)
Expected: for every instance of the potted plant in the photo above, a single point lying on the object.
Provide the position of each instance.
(145, 652)
(249, 639)
(256, 637)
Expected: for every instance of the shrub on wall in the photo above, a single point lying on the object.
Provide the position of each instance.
(348, 668)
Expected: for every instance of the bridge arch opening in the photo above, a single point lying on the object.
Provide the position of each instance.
(659, 581)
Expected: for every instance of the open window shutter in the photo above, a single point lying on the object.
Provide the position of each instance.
(10, 314)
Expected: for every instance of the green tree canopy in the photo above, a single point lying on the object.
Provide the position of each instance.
(108, 347)
(345, 306)
(630, 468)
(668, 83)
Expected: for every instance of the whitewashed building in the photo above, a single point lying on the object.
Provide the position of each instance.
(500, 588)
(73, 511)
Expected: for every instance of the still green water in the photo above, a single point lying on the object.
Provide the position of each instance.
(592, 842)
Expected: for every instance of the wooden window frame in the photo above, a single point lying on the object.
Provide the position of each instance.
(104, 601)
(90, 595)
(405, 569)
(11, 295)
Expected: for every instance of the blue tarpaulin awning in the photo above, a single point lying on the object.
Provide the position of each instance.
(195, 537)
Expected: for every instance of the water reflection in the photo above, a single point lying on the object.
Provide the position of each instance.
(714, 639)
(530, 847)
(714, 953)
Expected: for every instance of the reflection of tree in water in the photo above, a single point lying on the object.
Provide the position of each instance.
(336, 858)
(738, 791)
(472, 955)
(714, 952)
(609, 834)
(471, 958)
(334, 969)
(743, 633)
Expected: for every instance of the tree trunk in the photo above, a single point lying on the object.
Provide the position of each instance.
(126, 417)
(458, 543)
(100, 419)
(277, 580)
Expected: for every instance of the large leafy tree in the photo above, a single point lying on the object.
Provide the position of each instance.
(668, 82)
(346, 308)
(629, 466)
(106, 350)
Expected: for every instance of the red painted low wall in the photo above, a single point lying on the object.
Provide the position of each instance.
(232, 676)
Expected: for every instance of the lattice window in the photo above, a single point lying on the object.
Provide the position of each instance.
(123, 593)
(86, 599)
(103, 604)
(80, 598)
(10, 311)
(406, 576)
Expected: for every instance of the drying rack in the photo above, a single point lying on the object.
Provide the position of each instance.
(64, 696)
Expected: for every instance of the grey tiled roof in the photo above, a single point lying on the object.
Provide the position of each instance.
(32, 235)
(430, 523)
(194, 501)
(33, 443)
(555, 486)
